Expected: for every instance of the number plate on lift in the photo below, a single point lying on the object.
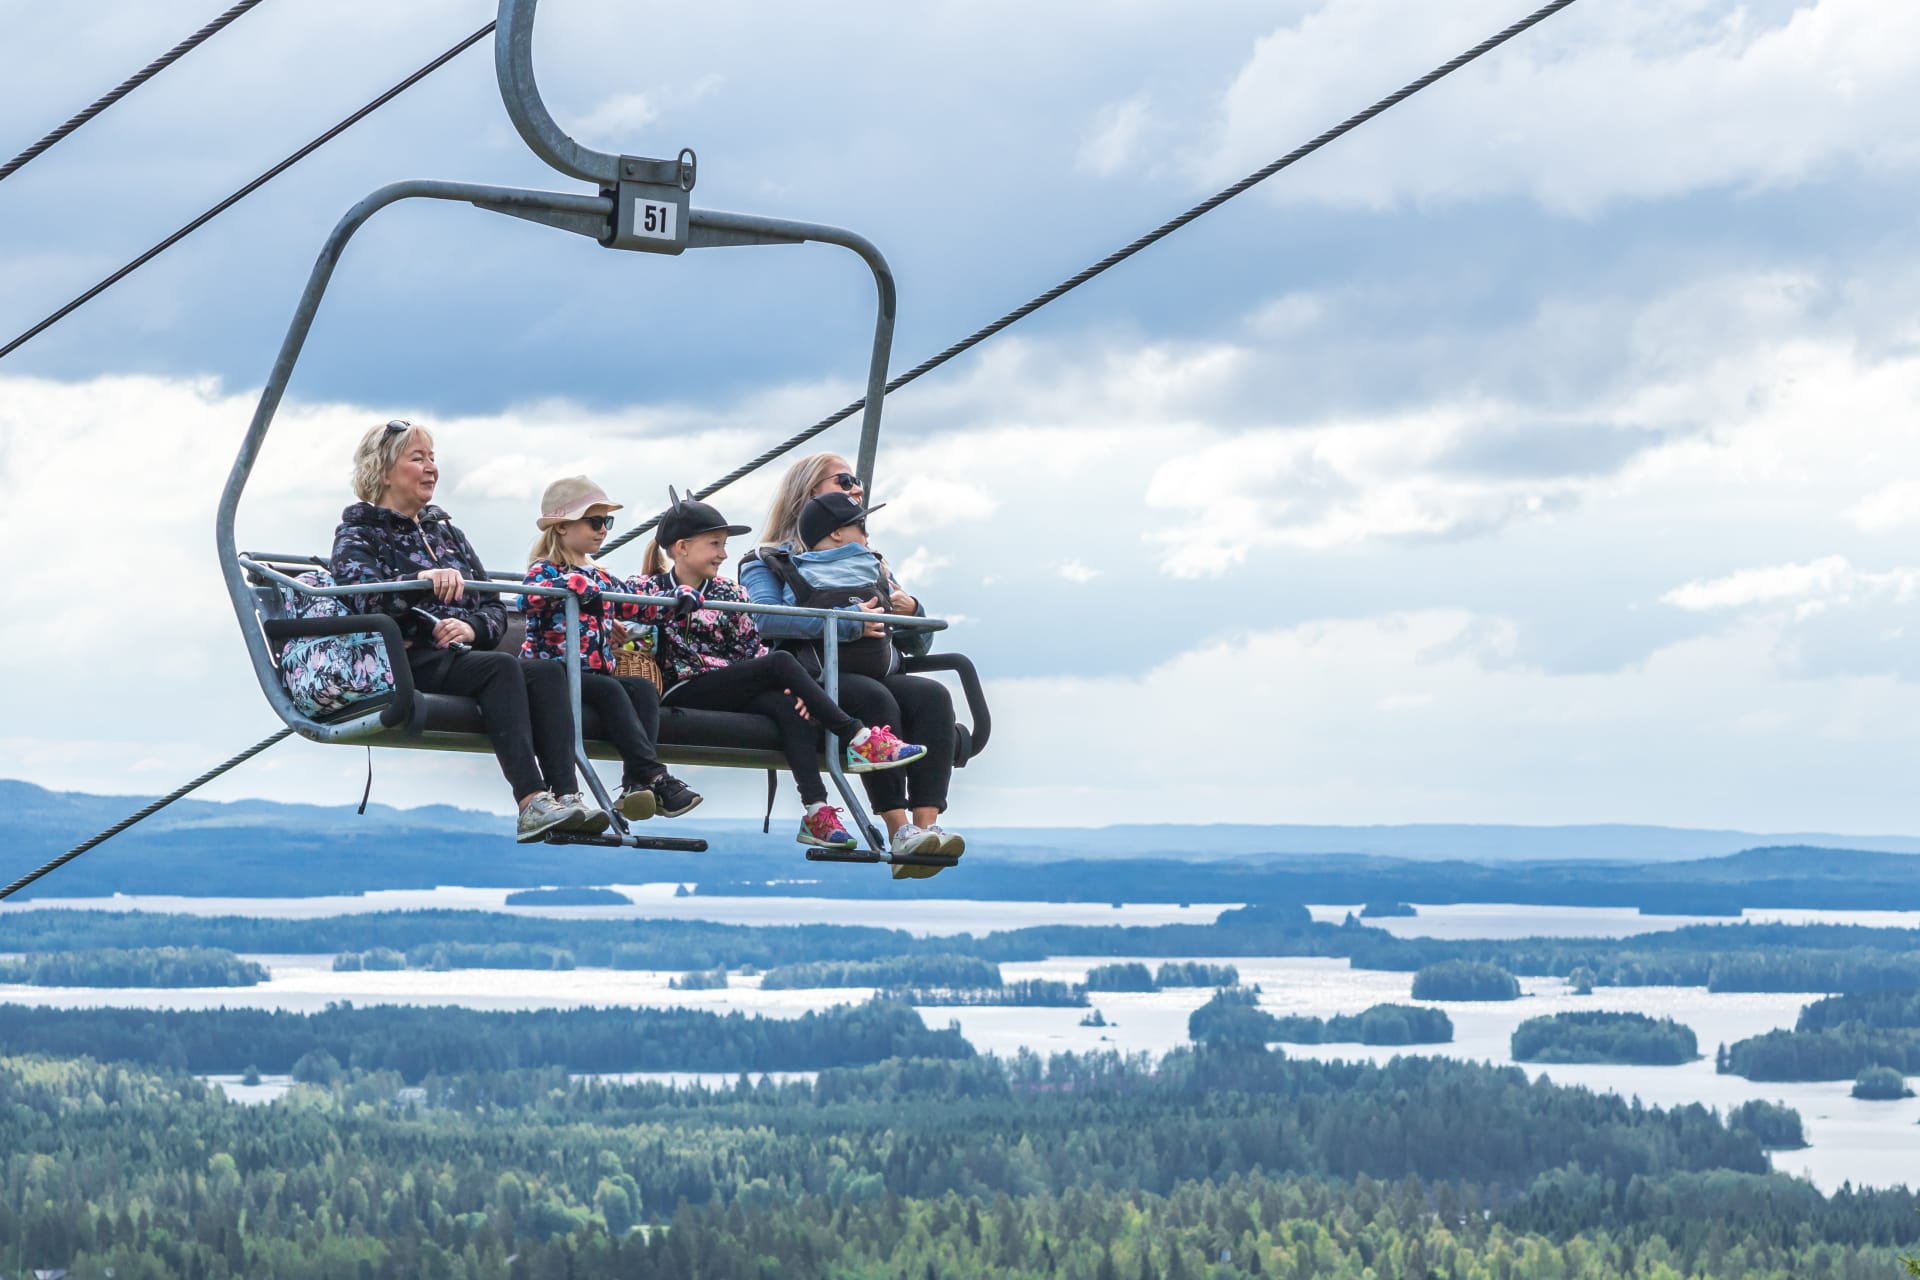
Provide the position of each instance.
(654, 220)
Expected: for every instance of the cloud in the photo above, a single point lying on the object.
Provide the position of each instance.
(1895, 506)
(1819, 579)
(1640, 100)
(1076, 572)
(1114, 145)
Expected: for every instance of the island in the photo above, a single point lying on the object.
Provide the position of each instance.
(1599, 1035)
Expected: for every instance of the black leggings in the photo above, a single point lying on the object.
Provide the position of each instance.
(629, 711)
(524, 703)
(918, 710)
(759, 686)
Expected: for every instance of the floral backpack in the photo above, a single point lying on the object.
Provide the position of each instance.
(325, 675)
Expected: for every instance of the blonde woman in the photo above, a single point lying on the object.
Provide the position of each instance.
(575, 517)
(809, 478)
(395, 533)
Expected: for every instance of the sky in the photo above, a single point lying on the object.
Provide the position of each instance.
(1543, 452)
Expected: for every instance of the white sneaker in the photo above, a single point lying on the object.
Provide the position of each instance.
(912, 839)
(543, 815)
(952, 843)
(592, 818)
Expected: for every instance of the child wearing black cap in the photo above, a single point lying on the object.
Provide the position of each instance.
(833, 566)
(713, 660)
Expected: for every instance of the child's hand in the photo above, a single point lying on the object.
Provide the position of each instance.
(686, 601)
(873, 629)
(902, 602)
(800, 705)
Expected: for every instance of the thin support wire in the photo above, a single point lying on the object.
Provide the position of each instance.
(249, 189)
(231, 762)
(1118, 256)
(126, 87)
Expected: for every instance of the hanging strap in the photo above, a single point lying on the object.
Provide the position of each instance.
(773, 786)
(362, 810)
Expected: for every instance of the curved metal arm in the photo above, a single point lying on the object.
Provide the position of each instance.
(513, 63)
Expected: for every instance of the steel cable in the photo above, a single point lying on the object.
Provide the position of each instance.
(924, 367)
(230, 762)
(1118, 256)
(126, 87)
(249, 189)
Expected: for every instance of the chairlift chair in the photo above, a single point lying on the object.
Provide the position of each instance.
(642, 204)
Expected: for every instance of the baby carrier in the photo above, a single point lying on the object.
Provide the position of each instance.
(866, 656)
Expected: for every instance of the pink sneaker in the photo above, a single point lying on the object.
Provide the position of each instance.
(882, 750)
(822, 829)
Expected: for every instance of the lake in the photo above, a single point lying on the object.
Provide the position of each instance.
(1869, 1144)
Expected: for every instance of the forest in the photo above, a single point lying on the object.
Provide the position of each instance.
(1835, 1038)
(932, 970)
(1206, 1163)
(132, 967)
(1604, 1036)
(1233, 1016)
(1464, 980)
(419, 1041)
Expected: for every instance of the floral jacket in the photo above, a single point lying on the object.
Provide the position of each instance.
(547, 615)
(373, 544)
(709, 639)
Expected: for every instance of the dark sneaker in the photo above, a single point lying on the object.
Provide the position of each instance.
(882, 750)
(591, 819)
(543, 815)
(636, 804)
(673, 797)
(822, 830)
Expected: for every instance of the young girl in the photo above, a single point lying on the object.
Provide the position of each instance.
(830, 562)
(713, 660)
(575, 518)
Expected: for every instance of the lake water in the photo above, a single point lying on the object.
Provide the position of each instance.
(1869, 1144)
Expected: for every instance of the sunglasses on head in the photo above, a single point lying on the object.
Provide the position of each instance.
(846, 480)
(399, 424)
(599, 524)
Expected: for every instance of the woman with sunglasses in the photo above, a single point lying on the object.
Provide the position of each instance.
(395, 533)
(575, 518)
(817, 554)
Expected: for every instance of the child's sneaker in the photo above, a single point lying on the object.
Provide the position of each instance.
(822, 830)
(672, 796)
(635, 803)
(592, 820)
(912, 839)
(543, 815)
(952, 843)
(882, 750)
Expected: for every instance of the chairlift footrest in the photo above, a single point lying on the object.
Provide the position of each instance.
(608, 840)
(924, 860)
(843, 855)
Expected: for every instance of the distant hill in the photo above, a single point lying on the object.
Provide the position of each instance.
(259, 848)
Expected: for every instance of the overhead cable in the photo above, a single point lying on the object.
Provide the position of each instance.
(1118, 256)
(230, 762)
(249, 189)
(126, 87)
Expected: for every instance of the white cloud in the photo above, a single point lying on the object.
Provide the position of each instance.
(1642, 99)
(1895, 506)
(1114, 143)
(1075, 572)
(1769, 585)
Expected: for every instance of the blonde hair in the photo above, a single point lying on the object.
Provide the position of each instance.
(654, 560)
(782, 525)
(548, 547)
(376, 455)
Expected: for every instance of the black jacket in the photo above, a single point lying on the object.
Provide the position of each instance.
(373, 544)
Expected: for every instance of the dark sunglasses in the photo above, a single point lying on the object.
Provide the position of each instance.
(399, 424)
(846, 480)
(599, 524)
